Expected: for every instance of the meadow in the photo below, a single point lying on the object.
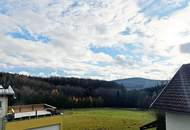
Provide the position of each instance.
(105, 119)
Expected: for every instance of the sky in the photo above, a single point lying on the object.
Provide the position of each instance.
(98, 39)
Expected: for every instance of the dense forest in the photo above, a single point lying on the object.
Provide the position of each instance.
(75, 92)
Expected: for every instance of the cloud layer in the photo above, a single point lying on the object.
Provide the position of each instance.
(104, 39)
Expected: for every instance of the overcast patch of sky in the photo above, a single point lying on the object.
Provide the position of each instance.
(119, 30)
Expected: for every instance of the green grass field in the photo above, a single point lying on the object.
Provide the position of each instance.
(105, 119)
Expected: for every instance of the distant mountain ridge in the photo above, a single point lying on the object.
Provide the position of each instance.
(139, 83)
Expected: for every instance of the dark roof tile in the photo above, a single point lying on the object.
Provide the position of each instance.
(176, 95)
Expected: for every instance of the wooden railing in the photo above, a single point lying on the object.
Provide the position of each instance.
(26, 108)
(32, 107)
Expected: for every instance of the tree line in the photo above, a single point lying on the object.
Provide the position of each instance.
(76, 92)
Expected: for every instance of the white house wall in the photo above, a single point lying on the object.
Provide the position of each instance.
(4, 106)
(177, 121)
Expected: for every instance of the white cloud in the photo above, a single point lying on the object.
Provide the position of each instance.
(74, 26)
(24, 73)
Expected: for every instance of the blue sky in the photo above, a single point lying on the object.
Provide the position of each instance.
(99, 39)
(23, 33)
(161, 8)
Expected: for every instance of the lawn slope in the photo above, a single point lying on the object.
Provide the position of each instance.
(105, 119)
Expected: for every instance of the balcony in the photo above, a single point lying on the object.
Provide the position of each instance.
(30, 111)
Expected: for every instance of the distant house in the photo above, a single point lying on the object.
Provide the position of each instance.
(5, 93)
(174, 100)
(27, 117)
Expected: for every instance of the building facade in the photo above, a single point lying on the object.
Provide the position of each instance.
(41, 123)
(174, 100)
(176, 121)
(27, 117)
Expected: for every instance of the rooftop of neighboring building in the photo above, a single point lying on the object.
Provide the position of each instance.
(175, 96)
(6, 91)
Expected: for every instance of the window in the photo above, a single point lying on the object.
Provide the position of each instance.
(0, 104)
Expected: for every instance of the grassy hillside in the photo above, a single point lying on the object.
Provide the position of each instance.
(105, 119)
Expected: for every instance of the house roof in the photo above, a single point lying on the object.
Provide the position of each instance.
(6, 91)
(176, 95)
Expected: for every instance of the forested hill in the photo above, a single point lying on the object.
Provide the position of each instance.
(75, 92)
(64, 92)
(138, 83)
